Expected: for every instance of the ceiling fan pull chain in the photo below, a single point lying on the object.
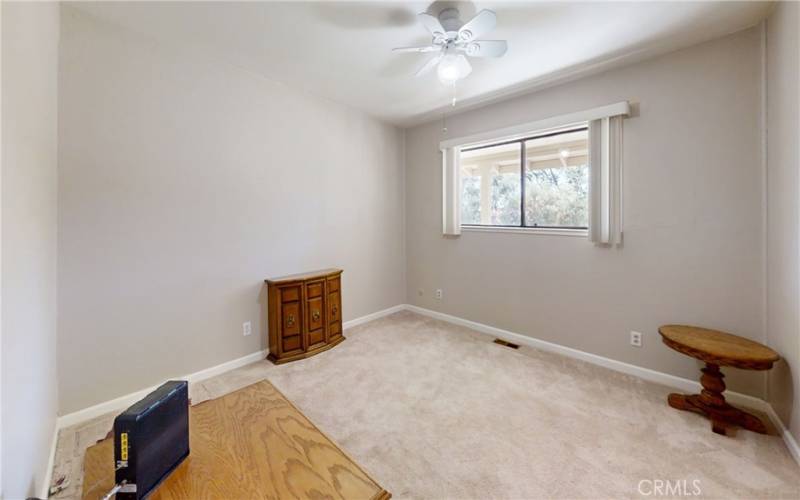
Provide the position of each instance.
(444, 113)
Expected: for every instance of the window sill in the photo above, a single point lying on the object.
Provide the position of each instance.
(583, 233)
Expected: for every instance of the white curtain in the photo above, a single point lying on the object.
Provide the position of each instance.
(451, 192)
(605, 181)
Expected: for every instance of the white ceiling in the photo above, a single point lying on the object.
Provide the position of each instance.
(342, 50)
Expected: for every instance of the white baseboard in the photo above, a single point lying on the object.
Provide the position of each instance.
(51, 460)
(790, 441)
(125, 401)
(373, 316)
(225, 367)
(662, 378)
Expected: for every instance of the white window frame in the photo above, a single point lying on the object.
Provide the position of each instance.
(555, 231)
(605, 139)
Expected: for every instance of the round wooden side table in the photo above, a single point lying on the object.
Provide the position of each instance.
(717, 349)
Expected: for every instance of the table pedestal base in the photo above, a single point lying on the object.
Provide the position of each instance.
(711, 403)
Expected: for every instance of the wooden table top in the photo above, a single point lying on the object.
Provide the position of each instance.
(252, 443)
(719, 348)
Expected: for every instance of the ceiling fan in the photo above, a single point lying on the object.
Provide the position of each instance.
(454, 40)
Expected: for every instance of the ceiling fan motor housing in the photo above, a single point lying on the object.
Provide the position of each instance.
(450, 22)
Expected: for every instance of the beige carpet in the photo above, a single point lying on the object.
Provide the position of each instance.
(434, 410)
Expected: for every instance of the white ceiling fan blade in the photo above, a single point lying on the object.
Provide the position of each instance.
(483, 22)
(486, 48)
(426, 48)
(432, 24)
(433, 61)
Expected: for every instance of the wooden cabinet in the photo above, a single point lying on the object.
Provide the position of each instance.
(305, 314)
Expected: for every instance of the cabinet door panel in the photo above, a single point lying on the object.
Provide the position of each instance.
(293, 343)
(334, 307)
(316, 337)
(290, 293)
(314, 289)
(334, 331)
(290, 314)
(316, 317)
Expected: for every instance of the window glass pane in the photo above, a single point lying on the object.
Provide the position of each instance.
(490, 186)
(557, 180)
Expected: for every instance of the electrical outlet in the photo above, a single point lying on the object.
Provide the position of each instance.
(246, 328)
(636, 339)
(439, 294)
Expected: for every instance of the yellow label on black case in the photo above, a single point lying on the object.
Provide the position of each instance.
(123, 446)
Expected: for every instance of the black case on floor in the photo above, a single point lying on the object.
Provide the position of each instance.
(151, 438)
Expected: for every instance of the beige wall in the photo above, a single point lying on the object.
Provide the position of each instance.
(692, 217)
(184, 183)
(783, 210)
(29, 181)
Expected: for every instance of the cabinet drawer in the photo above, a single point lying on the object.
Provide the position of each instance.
(290, 293)
(314, 290)
(316, 316)
(334, 307)
(292, 343)
(335, 329)
(333, 285)
(290, 314)
(316, 337)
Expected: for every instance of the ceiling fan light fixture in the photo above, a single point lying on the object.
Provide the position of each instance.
(452, 68)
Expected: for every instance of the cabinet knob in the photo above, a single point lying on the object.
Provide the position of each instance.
(334, 309)
(290, 320)
(315, 315)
